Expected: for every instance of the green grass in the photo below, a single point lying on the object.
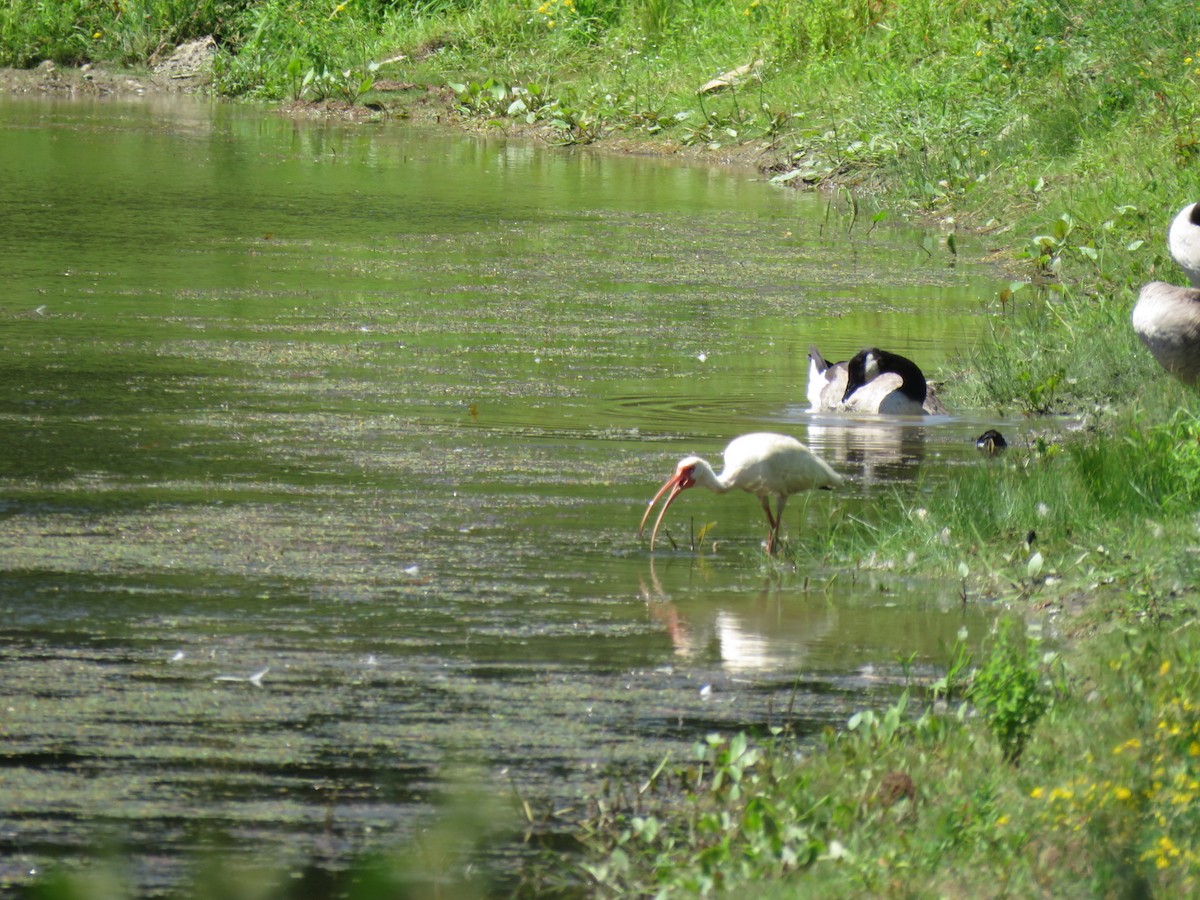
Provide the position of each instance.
(1112, 507)
(1103, 802)
(1069, 133)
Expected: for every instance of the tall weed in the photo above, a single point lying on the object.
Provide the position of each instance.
(1007, 689)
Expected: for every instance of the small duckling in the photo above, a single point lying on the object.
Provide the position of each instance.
(991, 443)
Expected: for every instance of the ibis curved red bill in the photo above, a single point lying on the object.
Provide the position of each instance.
(677, 483)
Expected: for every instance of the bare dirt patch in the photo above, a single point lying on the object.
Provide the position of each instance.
(389, 101)
(95, 81)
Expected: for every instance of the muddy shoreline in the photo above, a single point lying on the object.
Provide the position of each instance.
(390, 101)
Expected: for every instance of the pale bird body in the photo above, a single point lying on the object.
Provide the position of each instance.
(1167, 316)
(764, 464)
(826, 381)
(872, 381)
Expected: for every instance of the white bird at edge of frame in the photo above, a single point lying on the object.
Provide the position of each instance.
(764, 464)
(1167, 316)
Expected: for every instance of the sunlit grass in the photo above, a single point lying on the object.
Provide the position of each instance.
(1103, 802)
(1069, 134)
(1109, 504)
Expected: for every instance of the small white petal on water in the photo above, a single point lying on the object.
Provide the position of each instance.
(255, 679)
(179, 654)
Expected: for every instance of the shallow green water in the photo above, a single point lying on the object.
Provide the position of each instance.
(377, 410)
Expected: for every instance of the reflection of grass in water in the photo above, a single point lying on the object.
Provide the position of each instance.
(1081, 496)
(474, 815)
(1103, 799)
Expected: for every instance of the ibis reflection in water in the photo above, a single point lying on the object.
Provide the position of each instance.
(763, 634)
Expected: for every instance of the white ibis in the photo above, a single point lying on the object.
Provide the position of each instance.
(766, 465)
(1167, 316)
(872, 381)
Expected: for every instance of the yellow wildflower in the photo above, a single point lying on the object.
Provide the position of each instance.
(97, 35)
(1122, 793)
(1036, 793)
(1165, 667)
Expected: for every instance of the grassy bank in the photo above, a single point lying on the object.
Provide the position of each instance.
(1103, 802)
(1069, 133)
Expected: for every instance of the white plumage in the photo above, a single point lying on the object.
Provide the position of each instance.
(764, 464)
